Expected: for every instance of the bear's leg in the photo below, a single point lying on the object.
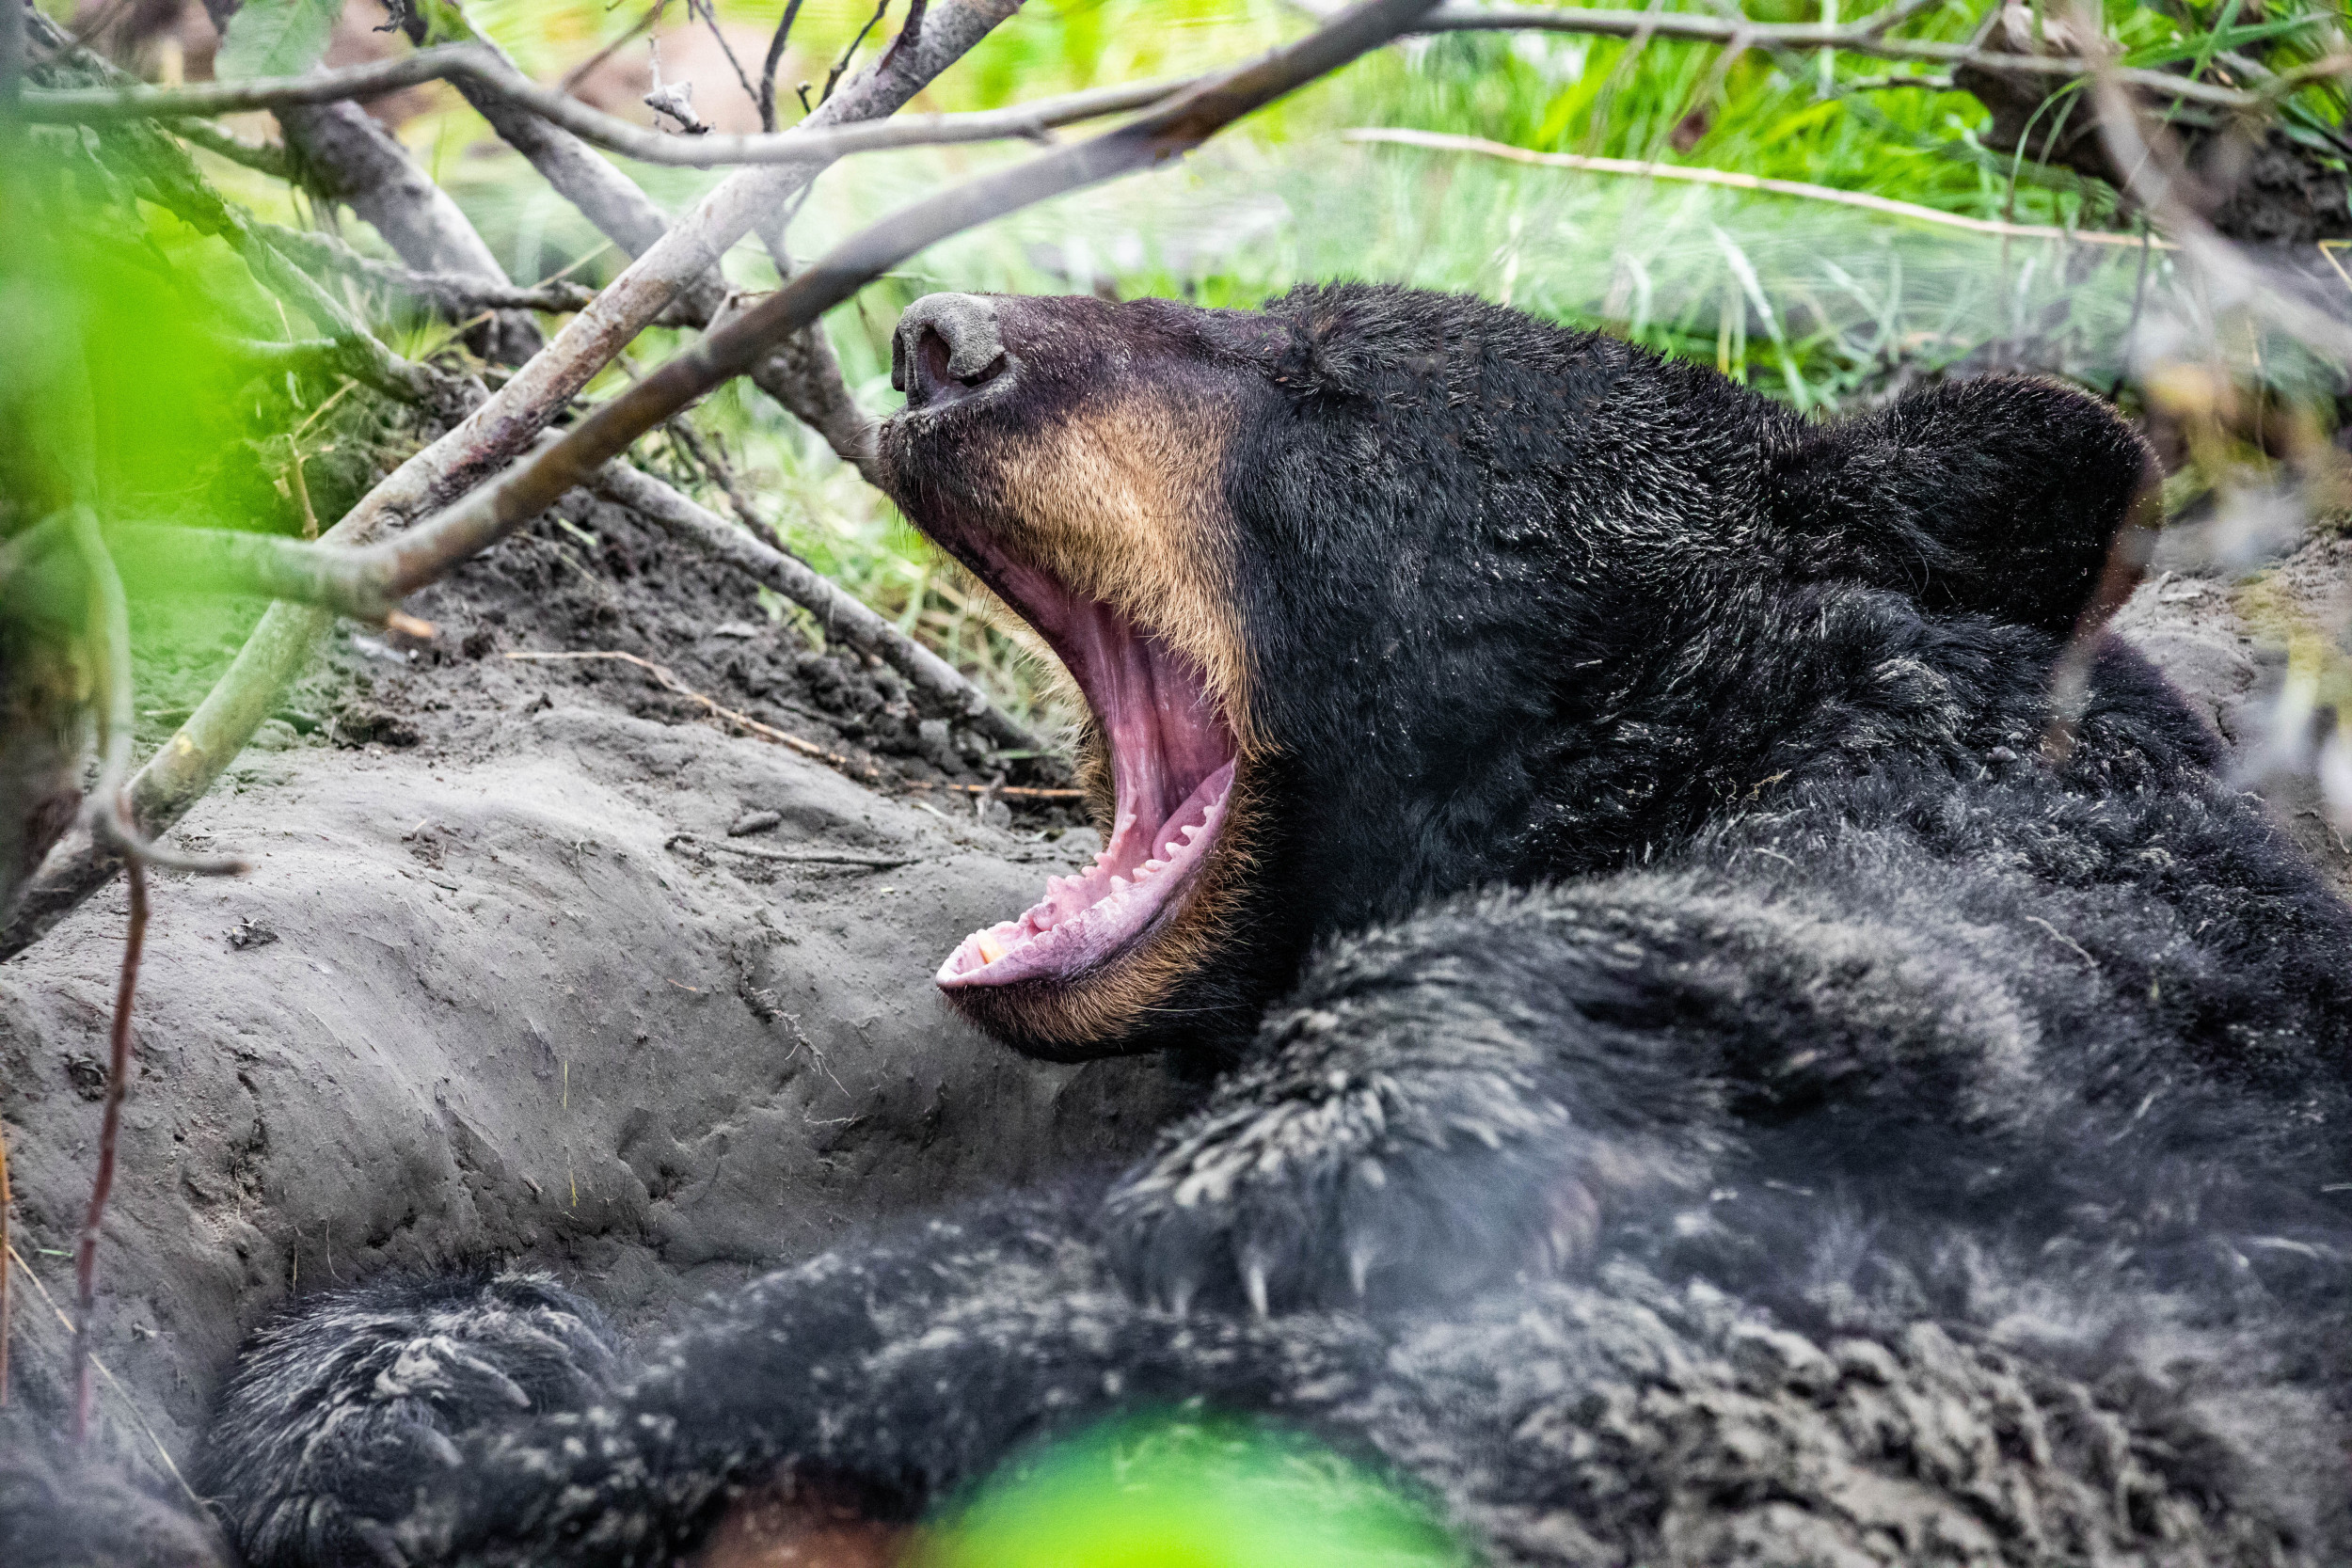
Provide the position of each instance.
(343, 1415)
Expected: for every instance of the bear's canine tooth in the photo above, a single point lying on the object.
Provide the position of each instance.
(988, 947)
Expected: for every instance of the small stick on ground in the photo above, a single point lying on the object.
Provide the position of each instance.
(796, 857)
(848, 765)
(109, 1134)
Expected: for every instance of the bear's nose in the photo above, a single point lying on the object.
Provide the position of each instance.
(945, 349)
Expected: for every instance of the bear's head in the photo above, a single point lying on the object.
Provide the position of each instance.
(1376, 595)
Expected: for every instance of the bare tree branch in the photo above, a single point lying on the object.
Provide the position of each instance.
(1866, 37)
(370, 581)
(351, 158)
(843, 618)
(834, 76)
(458, 294)
(110, 617)
(609, 198)
(262, 157)
(471, 65)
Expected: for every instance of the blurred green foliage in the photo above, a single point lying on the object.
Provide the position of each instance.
(1187, 1492)
(117, 385)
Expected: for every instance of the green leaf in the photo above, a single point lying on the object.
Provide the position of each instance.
(275, 37)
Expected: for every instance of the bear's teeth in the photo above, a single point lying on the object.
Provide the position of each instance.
(1119, 885)
(1151, 866)
(1194, 831)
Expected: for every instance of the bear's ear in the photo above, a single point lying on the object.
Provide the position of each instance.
(2002, 496)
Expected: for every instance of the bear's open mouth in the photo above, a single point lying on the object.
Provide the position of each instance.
(1172, 755)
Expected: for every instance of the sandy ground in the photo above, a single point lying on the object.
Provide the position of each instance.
(480, 1002)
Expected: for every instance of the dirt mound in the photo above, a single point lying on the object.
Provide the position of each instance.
(504, 984)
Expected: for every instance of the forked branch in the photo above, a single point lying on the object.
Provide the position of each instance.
(370, 581)
(479, 66)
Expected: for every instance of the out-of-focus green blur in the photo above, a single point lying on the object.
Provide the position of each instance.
(1189, 1492)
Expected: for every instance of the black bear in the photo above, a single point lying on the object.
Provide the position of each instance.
(1742, 1029)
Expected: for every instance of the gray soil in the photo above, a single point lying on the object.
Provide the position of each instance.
(503, 985)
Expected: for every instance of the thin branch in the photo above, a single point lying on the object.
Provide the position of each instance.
(647, 18)
(848, 55)
(775, 59)
(609, 198)
(714, 466)
(458, 294)
(177, 776)
(130, 1407)
(843, 617)
(1443, 142)
(262, 157)
(359, 353)
(110, 614)
(711, 16)
(109, 1134)
(1866, 37)
(464, 63)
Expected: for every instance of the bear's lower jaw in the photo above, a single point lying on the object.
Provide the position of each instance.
(1108, 909)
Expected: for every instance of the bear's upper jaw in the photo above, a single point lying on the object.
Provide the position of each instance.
(1172, 758)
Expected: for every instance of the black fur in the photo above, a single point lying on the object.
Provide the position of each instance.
(1751, 1099)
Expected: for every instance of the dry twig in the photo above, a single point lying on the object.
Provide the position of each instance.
(668, 678)
(458, 294)
(1868, 36)
(464, 63)
(775, 59)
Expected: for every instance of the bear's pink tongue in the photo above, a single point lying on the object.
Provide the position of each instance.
(1172, 755)
(1107, 909)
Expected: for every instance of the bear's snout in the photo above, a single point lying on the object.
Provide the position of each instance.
(946, 349)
